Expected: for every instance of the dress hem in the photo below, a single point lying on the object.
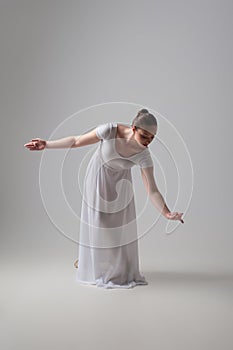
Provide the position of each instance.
(110, 285)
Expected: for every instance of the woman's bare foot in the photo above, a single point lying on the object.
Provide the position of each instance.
(76, 264)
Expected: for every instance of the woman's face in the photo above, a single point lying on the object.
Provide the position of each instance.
(146, 135)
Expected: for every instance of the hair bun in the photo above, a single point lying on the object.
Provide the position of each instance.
(144, 110)
(143, 117)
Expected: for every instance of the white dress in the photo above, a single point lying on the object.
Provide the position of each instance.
(108, 242)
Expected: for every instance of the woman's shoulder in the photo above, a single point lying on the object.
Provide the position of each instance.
(105, 130)
(121, 128)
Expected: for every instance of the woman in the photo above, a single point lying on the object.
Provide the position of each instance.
(108, 242)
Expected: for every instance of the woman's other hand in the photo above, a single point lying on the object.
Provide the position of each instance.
(175, 216)
(35, 145)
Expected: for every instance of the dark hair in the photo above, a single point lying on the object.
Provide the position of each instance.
(144, 118)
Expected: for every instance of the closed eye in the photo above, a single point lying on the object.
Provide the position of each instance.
(145, 137)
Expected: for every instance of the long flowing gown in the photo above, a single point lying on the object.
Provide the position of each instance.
(108, 241)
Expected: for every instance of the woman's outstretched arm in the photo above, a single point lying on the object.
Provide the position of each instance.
(155, 196)
(38, 144)
(65, 142)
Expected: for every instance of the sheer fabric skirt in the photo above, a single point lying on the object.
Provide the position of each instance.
(108, 243)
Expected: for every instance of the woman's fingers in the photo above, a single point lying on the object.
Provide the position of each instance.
(31, 146)
(176, 216)
(29, 143)
(35, 146)
(173, 215)
(32, 142)
(181, 220)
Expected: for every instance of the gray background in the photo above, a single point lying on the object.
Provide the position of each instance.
(58, 57)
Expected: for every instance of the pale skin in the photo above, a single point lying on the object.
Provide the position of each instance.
(129, 141)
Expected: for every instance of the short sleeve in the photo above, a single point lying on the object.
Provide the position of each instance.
(103, 131)
(145, 161)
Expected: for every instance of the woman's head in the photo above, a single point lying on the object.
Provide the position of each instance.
(144, 126)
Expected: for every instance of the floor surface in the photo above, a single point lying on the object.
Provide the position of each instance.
(43, 308)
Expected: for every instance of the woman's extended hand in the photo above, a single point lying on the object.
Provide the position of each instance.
(36, 145)
(175, 216)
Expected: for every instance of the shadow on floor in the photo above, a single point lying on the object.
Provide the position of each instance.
(189, 277)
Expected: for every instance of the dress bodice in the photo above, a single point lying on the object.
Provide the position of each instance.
(111, 158)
